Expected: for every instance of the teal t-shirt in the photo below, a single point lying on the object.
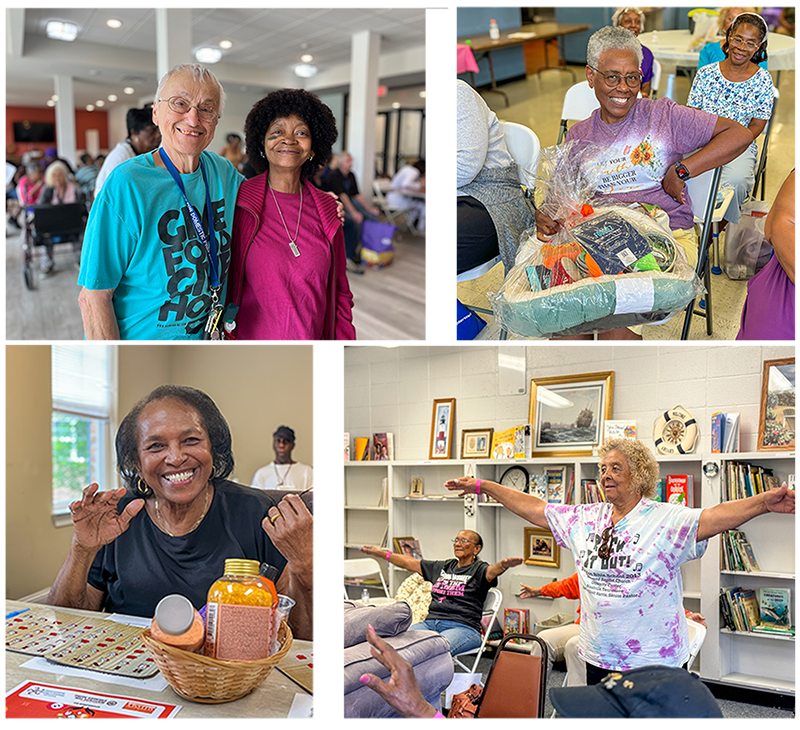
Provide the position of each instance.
(141, 243)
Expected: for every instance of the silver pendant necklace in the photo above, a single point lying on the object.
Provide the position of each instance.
(281, 479)
(292, 244)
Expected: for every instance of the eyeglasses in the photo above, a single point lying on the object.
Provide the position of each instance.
(206, 112)
(740, 42)
(462, 541)
(633, 81)
(604, 551)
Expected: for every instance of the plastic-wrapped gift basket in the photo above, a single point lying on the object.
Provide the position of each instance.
(607, 267)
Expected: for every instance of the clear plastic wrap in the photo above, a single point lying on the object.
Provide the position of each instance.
(616, 267)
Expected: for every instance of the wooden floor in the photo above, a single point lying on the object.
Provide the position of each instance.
(389, 302)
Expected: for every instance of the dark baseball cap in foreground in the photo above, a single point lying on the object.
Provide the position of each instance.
(652, 691)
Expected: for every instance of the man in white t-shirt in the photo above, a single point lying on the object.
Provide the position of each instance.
(283, 473)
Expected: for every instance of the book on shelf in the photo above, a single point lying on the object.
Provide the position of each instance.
(679, 489)
(571, 487)
(767, 611)
(737, 553)
(619, 430)
(591, 492)
(503, 444)
(383, 500)
(362, 449)
(724, 433)
(741, 479)
(739, 608)
(537, 486)
(516, 621)
(775, 610)
(346, 446)
(385, 540)
(556, 484)
(382, 447)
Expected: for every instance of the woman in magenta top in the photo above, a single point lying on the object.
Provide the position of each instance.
(288, 269)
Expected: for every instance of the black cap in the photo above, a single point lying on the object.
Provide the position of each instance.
(652, 691)
(285, 433)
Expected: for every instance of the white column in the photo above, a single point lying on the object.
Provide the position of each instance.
(65, 118)
(173, 39)
(365, 53)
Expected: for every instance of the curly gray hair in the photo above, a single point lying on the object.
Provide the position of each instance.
(642, 463)
(610, 38)
(620, 12)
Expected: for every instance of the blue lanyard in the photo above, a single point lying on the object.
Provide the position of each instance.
(209, 245)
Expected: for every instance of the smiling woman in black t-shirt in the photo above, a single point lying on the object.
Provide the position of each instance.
(459, 590)
(180, 518)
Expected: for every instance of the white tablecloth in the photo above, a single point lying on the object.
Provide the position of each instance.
(672, 49)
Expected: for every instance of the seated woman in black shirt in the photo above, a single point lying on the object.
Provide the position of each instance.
(459, 590)
(180, 518)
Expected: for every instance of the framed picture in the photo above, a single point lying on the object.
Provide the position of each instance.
(476, 443)
(407, 546)
(442, 428)
(568, 413)
(541, 548)
(776, 419)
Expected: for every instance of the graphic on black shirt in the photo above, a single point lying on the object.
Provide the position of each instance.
(187, 267)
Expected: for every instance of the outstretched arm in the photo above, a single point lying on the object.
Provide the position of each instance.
(401, 561)
(496, 570)
(525, 505)
(729, 515)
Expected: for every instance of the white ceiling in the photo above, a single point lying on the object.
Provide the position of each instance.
(268, 44)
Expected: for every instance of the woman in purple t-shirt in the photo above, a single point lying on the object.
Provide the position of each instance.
(651, 147)
(633, 20)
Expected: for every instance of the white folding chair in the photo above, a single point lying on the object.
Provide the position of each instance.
(579, 103)
(491, 607)
(708, 213)
(360, 568)
(761, 167)
(524, 146)
(656, 82)
(380, 187)
(697, 635)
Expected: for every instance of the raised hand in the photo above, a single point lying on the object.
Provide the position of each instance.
(95, 516)
(466, 485)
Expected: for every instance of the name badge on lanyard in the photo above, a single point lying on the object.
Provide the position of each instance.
(209, 241)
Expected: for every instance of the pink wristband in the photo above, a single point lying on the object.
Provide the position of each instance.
(387, 556)
(477, 486)
(438, 715)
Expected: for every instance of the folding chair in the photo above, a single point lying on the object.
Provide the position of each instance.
(579, 103)
(656, 82)
(494, 600)
(697, 635)
(524, 146)
(360, 568)
(707, 215)
(516, 683)
(761, 167)
(380, 187)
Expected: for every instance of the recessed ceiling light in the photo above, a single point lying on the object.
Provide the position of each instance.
(114, 23)
(129, 90)
(61, 31)
(226, 44)
(208, 55)
(305, 70)
(90, 107)
(112, 97)
(99, 102)
(54, 97)
(422, 94)
(306, 58)
(396, 105)
(50, 102)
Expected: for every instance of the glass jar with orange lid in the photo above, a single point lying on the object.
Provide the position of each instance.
(240, 613)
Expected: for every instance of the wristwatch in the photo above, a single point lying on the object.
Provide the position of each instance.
(681, 171)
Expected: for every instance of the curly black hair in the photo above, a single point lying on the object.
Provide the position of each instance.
(283, 103)
(757, 22)
(219, 433)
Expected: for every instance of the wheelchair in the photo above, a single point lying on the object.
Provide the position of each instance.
(51, 226)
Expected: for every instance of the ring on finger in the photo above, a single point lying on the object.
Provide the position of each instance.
(274, 517)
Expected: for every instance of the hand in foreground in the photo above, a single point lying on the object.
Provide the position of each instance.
(674, 186)
(465, 484)
(290, 526)
(401, 692)
(697, 617)
(95, 516)
(529, 591)
(339, 207)
(546, 226)
(780, 500)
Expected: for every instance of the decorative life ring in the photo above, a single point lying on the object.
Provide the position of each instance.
(675, 431)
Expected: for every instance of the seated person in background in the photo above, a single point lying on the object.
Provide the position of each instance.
(768, 312)
(143, 136)
(492, 211)
(30, 185)
(712, 52)
(633, 20)
(86, 175)
(232, 151)
(283, 473)
(59, 189)
(409, 177)
(563, 640)
(646, 141)
(460, 587)
(738, 89)
(342, 182)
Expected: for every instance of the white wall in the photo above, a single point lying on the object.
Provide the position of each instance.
(392, 389)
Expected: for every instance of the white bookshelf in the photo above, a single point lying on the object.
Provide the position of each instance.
(755, 661)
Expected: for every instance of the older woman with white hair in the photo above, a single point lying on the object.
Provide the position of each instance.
(633, 20)
(59, 189)
(650, 147)
(157, 245)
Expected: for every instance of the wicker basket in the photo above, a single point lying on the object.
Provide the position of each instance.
(202, 679)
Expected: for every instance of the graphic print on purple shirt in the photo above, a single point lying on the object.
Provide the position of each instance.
(632, 602)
